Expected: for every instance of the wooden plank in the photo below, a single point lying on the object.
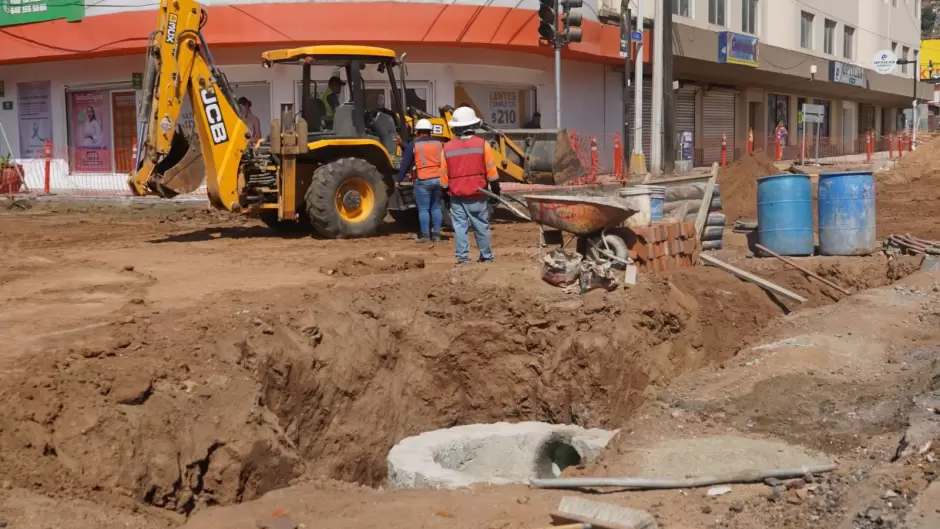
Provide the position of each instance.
(804, 270)
(747, 276)
(706, 201)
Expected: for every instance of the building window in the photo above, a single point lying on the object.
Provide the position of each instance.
(806, 30)
(829, 37)
(681, 7)
(904, 52)
(894, 3)
(894, 48)
(848, 43)
(716, 12)
(749, 16)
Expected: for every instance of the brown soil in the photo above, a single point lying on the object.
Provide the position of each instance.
(158, 368)
(913, 166)
(739, 185)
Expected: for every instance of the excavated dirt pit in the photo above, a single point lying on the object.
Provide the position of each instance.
(224, 397)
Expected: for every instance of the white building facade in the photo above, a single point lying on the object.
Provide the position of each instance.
(71, 76)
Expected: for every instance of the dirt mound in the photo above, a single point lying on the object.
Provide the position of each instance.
(922, 163)
(374, 263)
(739, 184)
(247, 397)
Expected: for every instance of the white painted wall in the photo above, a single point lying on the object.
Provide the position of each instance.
(591, 96)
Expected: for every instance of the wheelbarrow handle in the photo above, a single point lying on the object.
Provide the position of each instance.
(506, 203)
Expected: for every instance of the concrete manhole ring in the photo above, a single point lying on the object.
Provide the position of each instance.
(499, 453)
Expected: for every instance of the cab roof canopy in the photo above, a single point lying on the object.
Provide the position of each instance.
(329, 55)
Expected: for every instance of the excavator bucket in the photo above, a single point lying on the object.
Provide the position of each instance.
(552, 160)
(182, 170)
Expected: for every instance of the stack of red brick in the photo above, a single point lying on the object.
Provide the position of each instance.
(663, 246)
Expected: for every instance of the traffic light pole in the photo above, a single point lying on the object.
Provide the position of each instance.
(557, 83)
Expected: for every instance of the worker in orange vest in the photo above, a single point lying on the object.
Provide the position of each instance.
(426, 156)
(471, 165)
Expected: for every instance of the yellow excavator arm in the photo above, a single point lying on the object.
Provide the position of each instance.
(171, 161)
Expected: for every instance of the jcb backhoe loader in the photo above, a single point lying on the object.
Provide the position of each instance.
(331, 172)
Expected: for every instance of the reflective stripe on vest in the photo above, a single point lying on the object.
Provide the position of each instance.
(428, 156)
(466, 166)
(323, 97)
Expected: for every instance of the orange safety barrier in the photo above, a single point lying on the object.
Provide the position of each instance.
(47, 153)
(750, 140)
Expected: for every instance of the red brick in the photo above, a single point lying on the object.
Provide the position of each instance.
(688, 246)
(672, 231)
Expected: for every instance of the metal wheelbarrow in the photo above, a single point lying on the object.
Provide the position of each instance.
(586, 217)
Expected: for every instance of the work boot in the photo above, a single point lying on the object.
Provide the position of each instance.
(421, 238)
(435, 237)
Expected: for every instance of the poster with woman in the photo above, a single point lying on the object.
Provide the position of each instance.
(89, 122)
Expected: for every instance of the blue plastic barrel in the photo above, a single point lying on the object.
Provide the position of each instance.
(847, 213)
(785, 214)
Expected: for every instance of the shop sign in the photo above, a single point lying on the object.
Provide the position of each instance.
(734, 48)
(813, 113)
(89, 122)
(16, 12)
(885, 61)
(8, 105)
(137, 81)
(504, 107)
(34, 116)
(852, 74)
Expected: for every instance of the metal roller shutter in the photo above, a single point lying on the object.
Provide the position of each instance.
(685, 113)
(718, 118)
(647, 117)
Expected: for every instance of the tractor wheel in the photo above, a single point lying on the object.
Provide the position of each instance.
(347, 198)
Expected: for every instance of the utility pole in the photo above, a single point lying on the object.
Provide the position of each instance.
(557, 78)
(626, 45)
(637, 159)
(656, 120)
(670, 134)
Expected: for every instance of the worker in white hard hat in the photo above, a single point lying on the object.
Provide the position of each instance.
(471, 166)
(423, 160)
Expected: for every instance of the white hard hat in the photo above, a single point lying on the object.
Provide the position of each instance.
(423, 124)
(464, 117)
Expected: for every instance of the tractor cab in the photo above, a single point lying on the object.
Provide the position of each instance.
(356, 116)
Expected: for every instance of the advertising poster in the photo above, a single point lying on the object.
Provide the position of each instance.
(89, 122)
(34, 113)
(502, 107)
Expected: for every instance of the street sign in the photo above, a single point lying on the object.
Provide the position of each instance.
(813, 113)
(636, 36)
(885, 61)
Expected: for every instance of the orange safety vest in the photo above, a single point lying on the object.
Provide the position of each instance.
(466, 162)
(429, 159)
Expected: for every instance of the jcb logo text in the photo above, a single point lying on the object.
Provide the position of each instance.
(210, 103)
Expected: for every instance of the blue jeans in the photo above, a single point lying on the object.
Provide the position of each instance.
(465, 213)
(428, 196)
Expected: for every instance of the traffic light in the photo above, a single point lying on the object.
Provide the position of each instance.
(548, 20)
(571, 20)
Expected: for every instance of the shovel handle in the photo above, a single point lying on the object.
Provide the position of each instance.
(506, 203)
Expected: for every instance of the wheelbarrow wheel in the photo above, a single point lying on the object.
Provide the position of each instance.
(616, 245)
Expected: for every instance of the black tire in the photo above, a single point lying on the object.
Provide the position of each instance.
(330, 219)
(617, 246)
(269, 218)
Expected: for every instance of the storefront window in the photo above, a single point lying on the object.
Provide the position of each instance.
(778, 108)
